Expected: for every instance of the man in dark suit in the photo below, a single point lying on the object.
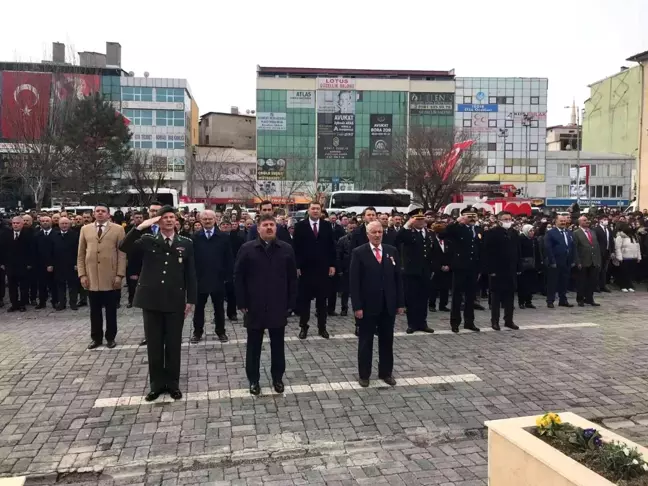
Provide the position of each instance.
(588, 257)
(66, 243)
(334, 287)
(560, 258)
(359, 236)
(214, 262)
(416, 243)
(282, 232)
(343, 264)
(466, 240)
(315, 255)
(5, 236)
(166, 293)
(605, 238)
(134, 263)
(376, 297)
(441, 266)
(18, 255)
(501, 260)
(44, 261)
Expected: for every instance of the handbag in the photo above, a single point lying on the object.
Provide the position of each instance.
(528, 263)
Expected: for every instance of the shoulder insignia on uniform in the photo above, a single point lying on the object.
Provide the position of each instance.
(148, 235)
(184, 238)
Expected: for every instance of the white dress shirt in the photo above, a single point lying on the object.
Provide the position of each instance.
(380, 250)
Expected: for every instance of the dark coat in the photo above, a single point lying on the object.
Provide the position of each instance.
(359, 237)
(338, 232)
(529, 248)
(314, 255)
(18, 254)
(237, 238)
(44, 249)
(417, 252)
(606, 247)
(501, 255)
(282, 234)
(214, 261)
(168, 278)
(65, 255)
(466, 249)
(588, 254)
(343, 260)
(265, 283)
(556, 252)
(374, 286)
(441, 255)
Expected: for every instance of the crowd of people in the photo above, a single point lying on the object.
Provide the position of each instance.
(172, 262)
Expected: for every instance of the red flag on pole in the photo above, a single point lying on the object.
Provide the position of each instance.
(447, 162)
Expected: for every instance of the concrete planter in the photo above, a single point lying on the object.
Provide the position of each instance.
(516, 457)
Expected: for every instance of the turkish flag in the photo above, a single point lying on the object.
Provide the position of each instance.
(25, 104)
(447, 162)
(124, 118)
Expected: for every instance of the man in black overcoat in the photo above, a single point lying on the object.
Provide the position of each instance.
(66, 245)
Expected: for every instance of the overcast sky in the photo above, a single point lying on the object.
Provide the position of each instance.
(217, 45)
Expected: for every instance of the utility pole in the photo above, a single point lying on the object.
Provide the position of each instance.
(526, 123)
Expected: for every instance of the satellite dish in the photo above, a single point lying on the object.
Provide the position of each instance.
(131, 73)
(146, 74)
(247, 112)
(252, 112)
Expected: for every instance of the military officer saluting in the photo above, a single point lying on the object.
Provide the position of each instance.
(166, 293)
(416, 243)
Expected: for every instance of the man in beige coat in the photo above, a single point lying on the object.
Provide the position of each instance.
(101, 269)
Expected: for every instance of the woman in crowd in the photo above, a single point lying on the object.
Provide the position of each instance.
(627, 256)
(530, 265)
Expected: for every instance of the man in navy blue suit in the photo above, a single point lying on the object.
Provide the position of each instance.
(560, 258)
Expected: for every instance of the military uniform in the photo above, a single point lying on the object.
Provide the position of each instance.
(167, 283)
(417, 271)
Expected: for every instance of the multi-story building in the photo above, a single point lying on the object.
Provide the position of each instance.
(508, 119)
(233, 129)
(564, 137)
(223, 175)
(320, 124)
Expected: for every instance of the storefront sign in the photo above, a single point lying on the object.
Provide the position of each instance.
(473, 108)
(380, 138)
(431, 103)
(271, 121)
(300, 99)
(551, 201)
(335, 136)
(336, 83)
(271, 169)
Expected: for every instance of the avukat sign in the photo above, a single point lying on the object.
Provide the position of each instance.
(447, 162)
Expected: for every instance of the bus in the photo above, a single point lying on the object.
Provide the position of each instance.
(357, 201)
(130, 198)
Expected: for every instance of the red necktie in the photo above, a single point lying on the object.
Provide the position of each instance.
(378, 257)
(315, 229)
(589, 236)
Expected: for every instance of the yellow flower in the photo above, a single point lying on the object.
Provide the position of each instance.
(557, 420)
(539, 422)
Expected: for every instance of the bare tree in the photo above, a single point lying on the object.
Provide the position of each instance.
(146, 173)
(436, 163)
(214, 166)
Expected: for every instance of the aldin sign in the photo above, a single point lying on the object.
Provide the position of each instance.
(335, 83)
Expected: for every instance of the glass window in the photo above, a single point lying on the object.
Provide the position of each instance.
(534, 124)
(619, 191)
(139, 117)
(169, 94)
(535, 100)
(492, 146)
(467, 99)
(592, 191)
(509, 123)
(508, 170)
(599, 191)
(137, 93)
(492, 123)
(467, 123)
(533, 170)
(492, 100)
(533, 147)
(606, 191)
(491, 169)
(169, 118)
(593, 170)
(508, 146)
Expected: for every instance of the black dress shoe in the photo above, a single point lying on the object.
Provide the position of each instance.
(357, 331)
(429, 330)
(332, 314)
(472, 328)
(60, 307)
(444, 309)
(410, 330)
(255, 389)
(478, 307)
(94, 345)
(454, 328)
(22, 308)
(522, 305)
(565, 304)
(1, 305)
(175, 394)
(143, 342)
(512, 325)
(581, 304)
(363, 383)
(594, 304)
(344, 313)
(73, 307)
(40, 306)
(278, 386)
(432, 309)
(233, 318)
(82, 303)
(303, 333)
(12, 309)
(606, 289)
(389, 380)
(152, 396)
(324, 333)
(529, 306)
(222, 337)
(550, 305)
(129, 305)
(111, 344)
(496, 327)
(195, 338)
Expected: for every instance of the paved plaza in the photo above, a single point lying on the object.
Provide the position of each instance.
(72, 416)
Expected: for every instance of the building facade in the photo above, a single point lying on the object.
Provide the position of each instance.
(223, 175)
(233, 130)
(600, 179)
(334, 124)
(508, 119)
(564, 137)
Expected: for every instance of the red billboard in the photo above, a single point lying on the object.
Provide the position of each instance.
(25, 104)
(77, 85)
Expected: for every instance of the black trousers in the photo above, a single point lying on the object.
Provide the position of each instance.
(313, 286)
(18, 282)
(219, 312)
(277, 354)
(586, 281)
(367, 326)
(163, 331)
(2, 285)
(334, 284)
(417, 293)
(557, 281)
(344, 292)
(527, 284)
(47, 286)
(65, 285)
(98, 301)
(440, 288)
(626, 273)
(502, 293)
(32, 277)
(464, 285)
(603, 271)
(231, 299)
(132, 286)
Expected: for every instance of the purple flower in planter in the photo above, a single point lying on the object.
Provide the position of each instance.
(598, 442)
(588, 433)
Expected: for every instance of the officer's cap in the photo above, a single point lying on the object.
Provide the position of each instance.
(166, 209)
(468, 210)
(417, 214)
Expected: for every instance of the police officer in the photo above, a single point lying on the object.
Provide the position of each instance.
(166, 293)
(416, 243)
(466, 240)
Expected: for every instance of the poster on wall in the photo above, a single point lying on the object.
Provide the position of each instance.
(380, 136)
(300, 99)
(271, 121)
(335, 136)
(336, 101)
(271, 169)
(75, 85)
(578, 182)
(431, 103)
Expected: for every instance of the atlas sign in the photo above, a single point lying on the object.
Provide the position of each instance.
(336, 83)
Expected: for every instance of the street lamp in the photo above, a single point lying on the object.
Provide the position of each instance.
(503, 134)
(526, 123)
(576, 117)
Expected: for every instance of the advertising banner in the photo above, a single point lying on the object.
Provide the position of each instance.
(431, 103)
(380, 138)
(77, 85)
(477, 108)
(271, 121)
(336, 83)
(271, 169)
(336, 101)
(578, 182)
(25, 104)
(335, 136)
(300, 99)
